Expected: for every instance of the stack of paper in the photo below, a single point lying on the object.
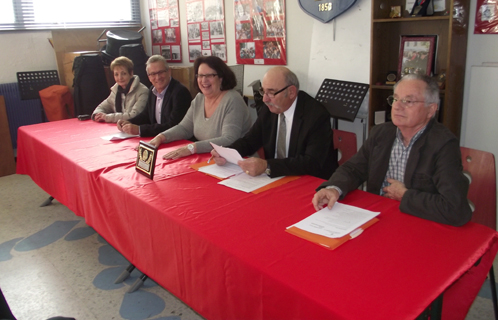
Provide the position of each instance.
(332, 227)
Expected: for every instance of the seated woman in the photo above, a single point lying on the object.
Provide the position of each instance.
(218, 114)
(128, 96)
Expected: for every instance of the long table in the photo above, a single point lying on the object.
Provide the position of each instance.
(226, 254)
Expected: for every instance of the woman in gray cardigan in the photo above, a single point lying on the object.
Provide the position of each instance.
(128, 96)
(218, 114)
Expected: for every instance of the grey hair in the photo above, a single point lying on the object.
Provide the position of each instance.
(157, 58)
(431, 93)
(291, 78)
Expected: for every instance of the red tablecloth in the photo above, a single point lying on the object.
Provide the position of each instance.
(225, 252)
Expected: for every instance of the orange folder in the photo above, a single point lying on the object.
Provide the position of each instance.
(326, 242)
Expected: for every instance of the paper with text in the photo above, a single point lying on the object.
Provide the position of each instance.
(230, 155)
(225, 171)
(247, 183)
(342, 219)
(119, 136)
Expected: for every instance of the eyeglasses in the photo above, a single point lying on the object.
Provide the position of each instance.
(271, 95)
(208, 76)
(158, 73)
(404, 102)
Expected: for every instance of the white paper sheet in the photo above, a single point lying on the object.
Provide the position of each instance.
(247, 183)
(119, 136)
(222, 172)
(342, 219)
(231, 155)
(439, 5)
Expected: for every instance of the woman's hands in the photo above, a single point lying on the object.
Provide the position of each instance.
(178, 153)
(156, 142)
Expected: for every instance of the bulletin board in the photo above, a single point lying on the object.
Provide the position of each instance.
(165, 29)
(206, 29)
(260, 32)
(486, 17)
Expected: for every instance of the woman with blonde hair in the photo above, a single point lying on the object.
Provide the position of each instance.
(128, 96)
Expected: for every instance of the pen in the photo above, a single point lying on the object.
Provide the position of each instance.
(210, 159)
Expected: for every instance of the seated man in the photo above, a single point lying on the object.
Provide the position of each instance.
(166, 106)
(414, 160)
(294, 132)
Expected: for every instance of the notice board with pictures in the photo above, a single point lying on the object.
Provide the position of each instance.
(260, 35)
(165, 29)
(206, 29)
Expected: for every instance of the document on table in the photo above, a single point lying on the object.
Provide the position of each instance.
(225, 171)
(119, 136)
(342, 219)
(231, 155)
(247, 183)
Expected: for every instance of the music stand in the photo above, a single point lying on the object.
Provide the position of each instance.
(342, 99)
(30, 83)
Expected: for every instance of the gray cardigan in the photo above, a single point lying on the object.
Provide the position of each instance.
(229, 122)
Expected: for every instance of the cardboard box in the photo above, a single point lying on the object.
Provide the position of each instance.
(186, 77)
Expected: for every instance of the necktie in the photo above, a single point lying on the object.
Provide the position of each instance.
(282, 131)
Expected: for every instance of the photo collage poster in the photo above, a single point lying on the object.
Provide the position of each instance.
(165, 28)
(486, 21)
(260, 32)
(206, 29)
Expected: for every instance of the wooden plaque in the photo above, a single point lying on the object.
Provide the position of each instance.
(146, 159)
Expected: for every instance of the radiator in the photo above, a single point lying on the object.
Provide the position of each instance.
(19, 112)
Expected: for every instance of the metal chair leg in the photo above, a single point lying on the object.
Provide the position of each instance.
(138, 283)
(492, 283)
(47, 202)
(125, 274)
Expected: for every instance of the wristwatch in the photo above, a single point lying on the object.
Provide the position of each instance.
(191, 148)
(268, 171)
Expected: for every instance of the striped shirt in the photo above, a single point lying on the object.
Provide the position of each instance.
(399, 158)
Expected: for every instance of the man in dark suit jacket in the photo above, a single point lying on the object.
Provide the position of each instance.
(308, 147)
(413, 159)
(167, 104)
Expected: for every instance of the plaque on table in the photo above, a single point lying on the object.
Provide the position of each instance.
(146, 159)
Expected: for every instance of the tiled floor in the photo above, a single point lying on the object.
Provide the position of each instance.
(52, 263)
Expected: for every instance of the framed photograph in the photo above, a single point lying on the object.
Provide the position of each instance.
(417, 55)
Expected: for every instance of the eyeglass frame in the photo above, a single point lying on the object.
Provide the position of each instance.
(404, 102)
(206, 76)
(158, 73)
(272, 95)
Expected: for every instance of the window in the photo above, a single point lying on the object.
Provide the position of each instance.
(67, 14)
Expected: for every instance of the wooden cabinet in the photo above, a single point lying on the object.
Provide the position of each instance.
(450, 27)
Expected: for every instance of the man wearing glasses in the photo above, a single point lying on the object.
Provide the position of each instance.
(294, 132)
(414, 159)
(166, 106)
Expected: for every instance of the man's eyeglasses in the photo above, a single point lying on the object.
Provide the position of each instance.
(208, 76)
(271, 95)
(158, 73)
(404, 102)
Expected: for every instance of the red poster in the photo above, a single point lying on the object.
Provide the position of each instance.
(165, 28)
(486, 17)
(206, 29)
(260, 32)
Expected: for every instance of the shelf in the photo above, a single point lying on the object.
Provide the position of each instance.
(382, 87)
(412, 19)
(450, 55)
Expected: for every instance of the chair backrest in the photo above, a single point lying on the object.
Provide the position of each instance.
(238, 70)
(479, 167)
(345, 142)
